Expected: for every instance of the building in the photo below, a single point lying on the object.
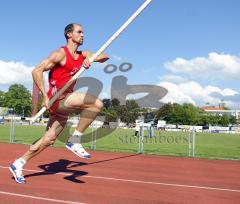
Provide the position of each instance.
(221, 111)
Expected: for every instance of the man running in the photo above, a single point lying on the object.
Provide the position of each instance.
(62, 65)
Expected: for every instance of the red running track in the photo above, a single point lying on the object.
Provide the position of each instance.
(58, 176)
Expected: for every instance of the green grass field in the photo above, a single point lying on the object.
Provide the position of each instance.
(213, 146)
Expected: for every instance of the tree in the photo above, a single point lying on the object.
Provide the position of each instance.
(128, 113)
(2, 98)
(18, 98)
(164, 112)
(115, 102)
(131, 105)
(224, 120)
(232, 120)
(107, 103)
(110, 114)
(214, 119)
(125, 115)
(133, 110)
(177, 114)
(191, 114)
(203, 118)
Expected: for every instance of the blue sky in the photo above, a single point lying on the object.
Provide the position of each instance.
(191, 47)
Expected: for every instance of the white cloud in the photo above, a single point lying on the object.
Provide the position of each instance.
(214, 67)
(193, 92)
(15, 72)
(224, 92)
(173, 78)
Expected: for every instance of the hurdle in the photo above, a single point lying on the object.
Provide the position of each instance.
(12, 127)
(191, 142)
(141, 139)
(95, 125)
(94, 137)
(150, 134)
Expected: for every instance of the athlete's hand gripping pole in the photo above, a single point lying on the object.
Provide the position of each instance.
(111, 39)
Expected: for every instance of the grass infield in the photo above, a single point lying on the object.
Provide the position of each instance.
(212, 146)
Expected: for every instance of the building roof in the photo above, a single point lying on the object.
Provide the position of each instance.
(207, 108)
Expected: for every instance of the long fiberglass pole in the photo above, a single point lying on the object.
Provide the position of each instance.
(105, 45)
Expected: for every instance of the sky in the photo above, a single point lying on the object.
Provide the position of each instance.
(190, 47)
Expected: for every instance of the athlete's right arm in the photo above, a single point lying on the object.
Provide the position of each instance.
(54, 58)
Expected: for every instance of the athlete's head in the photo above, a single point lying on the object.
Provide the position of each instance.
(74, 31)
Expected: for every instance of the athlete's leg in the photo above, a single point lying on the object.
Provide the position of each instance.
(87, 105)
(54, 128)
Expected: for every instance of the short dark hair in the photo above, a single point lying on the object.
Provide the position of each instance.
(68, 29)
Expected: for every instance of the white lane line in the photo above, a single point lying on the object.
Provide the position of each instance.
(138, 181)
(167, 184)
(38, 198)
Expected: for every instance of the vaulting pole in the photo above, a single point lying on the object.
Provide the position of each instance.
(111, 39)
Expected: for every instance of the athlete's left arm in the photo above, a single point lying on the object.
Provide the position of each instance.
(101, 58)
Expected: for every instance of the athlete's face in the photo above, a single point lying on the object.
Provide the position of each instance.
(77, 34)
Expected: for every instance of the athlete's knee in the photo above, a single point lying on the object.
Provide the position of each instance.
(49, 138)
(48, 141)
